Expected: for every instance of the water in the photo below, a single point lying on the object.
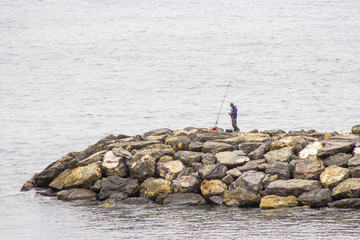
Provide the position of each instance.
(73, 72)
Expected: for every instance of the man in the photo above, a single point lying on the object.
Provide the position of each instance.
(233, 115)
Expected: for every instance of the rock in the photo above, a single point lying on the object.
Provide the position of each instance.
(137, 201)
(116, 184)
(333, 175)
(340, 159)
(186, 184)
(215, 147)
(251, 180)
(260, 151)
(228, 179)
(166, 159)
(212, 188)
(210, 136)
(235, 173)
(158, 132)
(280, 169)
(355, 129)
(170, 170)
(155, 189)
(132, 145)
(49, 192)
(281, 155)
(350, 188)
(248, 147)
(92, 149)
(268, 179)
(232, 159)
(195, 146)
(356, 151)
(252, 165)
(233, 141)
(275, 132)
(97, 186)
(113, 165)
(156, 151)
(79, 177)
(332, 148)
(96, 157)
(308, 170)
(355, 172)
(273, 202)
(316, 198)
(257, 137)
(192, 199)
(120, 152)
(241, 197)
(298, 143)
(208, 158)
(345, 203)
(44, 178)
(76, 194)
(214, 171)
(188, 157)
(310, 150)
(178, 142)
(216, 200)
(117, 197)
(142, 168)
(354, 162)
(30, 184)
(291, 187)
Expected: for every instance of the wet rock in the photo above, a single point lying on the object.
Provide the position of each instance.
(260, 151)
(76, 194)
(191, 199)
(212, 188)
(291, 187)
(178, 143)
(333, 175)
(195, 146)
(281, 155)
(273, 202)
(49, 192)
(350, 188)
(310, 150)
(216, 200)
(308, 169)
(186, 184)
(117, 197)
(241, 197)
(116, 184)
(214, 171)
(79, 177)
(280, 169)
(252, 165)
(340, 159)
(170, 170)
(215, 147)
(332, 148)
(188, 157)
(248, 147)
(155, 189)
(251, 180)
(232, 159)
(355, 129)
(30, 184)
(345, 203)
(316, 198)
(354, 162)
(142, 168)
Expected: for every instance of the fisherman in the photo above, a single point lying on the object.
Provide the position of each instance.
(233, 115)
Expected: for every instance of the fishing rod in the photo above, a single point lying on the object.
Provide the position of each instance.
(217, 119)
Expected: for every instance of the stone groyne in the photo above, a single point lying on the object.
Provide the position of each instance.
(195, 166)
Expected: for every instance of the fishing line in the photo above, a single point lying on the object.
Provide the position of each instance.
(217, 119)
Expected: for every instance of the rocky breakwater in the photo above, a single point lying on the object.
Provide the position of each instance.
(268, 169)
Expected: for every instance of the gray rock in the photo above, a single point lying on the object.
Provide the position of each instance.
(132, 145)
(241, 197)
(188, 157)
(252, 165)
(350, 188)
(248, 147)
(291, 187)
(216, 147)
(280, 155)
(260, 151)
(142, 168)
(195, 146)
(158, 132)
(345, 203)
(251, 180)
(281, 169)
(76, 194)
(216, 200)
(332, 148)
(316, 198)
(120, 152)
(137, 201)
(184, 199)
(118, 197)
(214, 171)
(355, 172)
(340, 159)
(308, 169)
(170, 170)
(232, 159)
(208, 158)
(186, 184)
(354, 162)
(116, 184)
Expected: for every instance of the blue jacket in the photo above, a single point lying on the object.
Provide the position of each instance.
(234, 112)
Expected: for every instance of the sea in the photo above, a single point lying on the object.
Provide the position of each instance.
(75, 71)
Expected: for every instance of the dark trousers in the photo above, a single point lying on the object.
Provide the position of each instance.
(233, 121)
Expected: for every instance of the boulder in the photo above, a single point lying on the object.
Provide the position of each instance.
(195, 146)
(296, 142)
(354, 162)
(274, 132)
(332, 148)
(333, 175)
(248, 147)
(191, 199)
(356, 151)
(186, 184)
(340, 159)
(345, 203)
(208, 158)
(273, 202)
(170, 170)
(216, 200)
(213, 171)
(252, 165)
(241, 197)
(92, 149)
(156, 151)
(291, 187)
(228, 179)
(84, 177)
(268, 179)
(257, 137)
(212, 188)
(280, 169)
(260, 151)
(251, 180)
(233, 141)
(308, 169)
(350, 188)
(188, 157)
(354, 172)
(113, 165)
(142, 168)
(355, 129)
(116, 184)
(205, 136)
(281, 155)
(310, 150)
(216, 147)
(178, 143)
(155, 189)
(76, 194)
(158, 132)
(96, 157)
(316, 198)
(120, 152)
(235, 173)
(137, 201)
(232, 159)
(132, 145)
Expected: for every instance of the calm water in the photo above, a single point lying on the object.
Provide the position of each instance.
(72, 72)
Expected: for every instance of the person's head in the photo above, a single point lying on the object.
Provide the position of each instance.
(231, 104)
